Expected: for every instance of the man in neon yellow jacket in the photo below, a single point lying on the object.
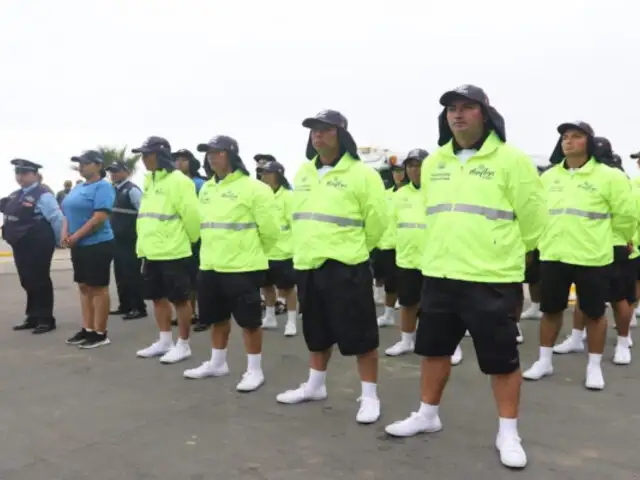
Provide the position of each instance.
(280, 275)
(167, 226)
(339, 214)
(485, 209)
(237, 228)
(591, 209)
(385, 271)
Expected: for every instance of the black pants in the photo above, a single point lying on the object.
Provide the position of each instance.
(127, 268)
(32, 257)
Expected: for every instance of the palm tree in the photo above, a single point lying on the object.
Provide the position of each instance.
(112, 155)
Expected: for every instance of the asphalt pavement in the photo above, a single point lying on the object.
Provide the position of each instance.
(69, 414)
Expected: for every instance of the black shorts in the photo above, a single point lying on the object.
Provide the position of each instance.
(280, 274)
(636, 262)
(450, 307)
(194, 264)
(592, 287)
(532, 269)
(409, 286)
(168, 279)
(623, 277)
(92, 264)
(385, 269)
(221, 295)
(336, 303)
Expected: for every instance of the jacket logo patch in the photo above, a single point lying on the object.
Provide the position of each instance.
(230, 195)
(482, 172)
(336, 183)
(588, 187)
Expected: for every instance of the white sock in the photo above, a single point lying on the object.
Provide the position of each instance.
(623, 341)
(388, 312)
(316, 379)
(292, 316)
(88, 330)
(546, 354)
(407, 338)
(369, 390)
(380, 292)
(218, 357)
(535, 306)
(270, 311)
(576, 335)
(428, 410)
(595, 359)
(182, 341)
(254, 362)
(508, 427)
(166, 337)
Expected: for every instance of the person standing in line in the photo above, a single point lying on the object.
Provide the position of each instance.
(168, 225)
(87, 232)
(485, 209)
(385, 271)
(591, 208)
(126, 264)
(64, 192)
(339, 215)
(188, 164)
(280, 275)
(237, 227)
(32, 227)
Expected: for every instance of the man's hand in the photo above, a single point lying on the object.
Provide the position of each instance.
(71, 240)
(528, 258)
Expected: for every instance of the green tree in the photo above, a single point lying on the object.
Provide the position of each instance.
(112, 155)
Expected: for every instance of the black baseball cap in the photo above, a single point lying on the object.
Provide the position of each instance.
(24, 166)
(221, 143)
(331, 118)
(273, 167)
(90, 156)
(577, 125)
(417, 154)
(264, 157)
(117, 167)
(469, 92)
(635, 156)
(153, 144)
(183, 152)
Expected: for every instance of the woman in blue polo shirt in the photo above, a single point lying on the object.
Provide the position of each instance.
(88, 233)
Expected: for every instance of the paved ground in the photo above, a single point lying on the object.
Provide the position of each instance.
(68, 414)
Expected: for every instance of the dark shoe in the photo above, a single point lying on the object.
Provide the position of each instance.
(94, 340)
(27, 324)
(134, 315)
(118, 311)
(44, 327)
(78, 338)
(200, 327)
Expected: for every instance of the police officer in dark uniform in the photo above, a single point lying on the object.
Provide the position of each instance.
(127, 265)
(32, 226)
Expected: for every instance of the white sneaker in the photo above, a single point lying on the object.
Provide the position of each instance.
(634, 318)
(207, 369)
(290, 329)
(622, 355)
(520, 337)
(413, 425)
(512, 454)
(302, 394)
(251, 380)
(456, 358)
(569, 345)
(269, 322)
(594, 379)
(531, 313)
(156, 349)
(397, 305)
(630, 340)
(466, 333)
(179, 352)
(538, 370)
(400, 348)
(369, 411)
(384, 321)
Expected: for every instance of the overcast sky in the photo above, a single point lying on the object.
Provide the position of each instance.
(78, 73)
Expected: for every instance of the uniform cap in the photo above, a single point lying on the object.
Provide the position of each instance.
(153, 144)
(23, 166)
(90, 156)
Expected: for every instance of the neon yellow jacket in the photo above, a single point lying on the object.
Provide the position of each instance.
(635, 187)
(168, 221)
(411, 223)
(237, 224)
(283, 249)
(482, 216)
(340, 216)
(588, 208)
(388, 240)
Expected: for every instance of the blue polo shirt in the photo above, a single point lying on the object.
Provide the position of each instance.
(80, 204)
